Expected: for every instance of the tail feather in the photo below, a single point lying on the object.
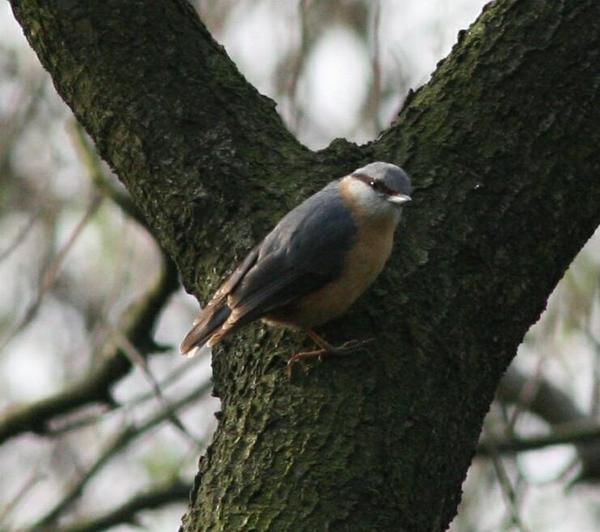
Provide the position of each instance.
(203, 329)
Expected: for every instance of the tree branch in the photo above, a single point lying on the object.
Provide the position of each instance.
(119, 442)
(573, 433)
(95, 387)
(502, 144)
(558, 409)
(51, 272)
(176, 491)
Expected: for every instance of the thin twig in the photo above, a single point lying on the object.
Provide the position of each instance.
(116, 445)
(50, 274)
(136, 358)
(508, 492)
(19, 497)
(24, 111)
(296, 112)
(175, 491)
(559, 410)
(589, 333)
(376, 69)
(526, 395)
(167, 381)
(95, 387)
(141, 316)
(20, 236)
(566, 434)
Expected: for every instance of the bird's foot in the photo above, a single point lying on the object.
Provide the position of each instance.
(341, 350)
(350, 347)
(299, 358)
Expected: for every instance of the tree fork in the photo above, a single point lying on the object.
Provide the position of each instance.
(502, 146)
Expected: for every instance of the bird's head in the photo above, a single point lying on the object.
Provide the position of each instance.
(378, 189)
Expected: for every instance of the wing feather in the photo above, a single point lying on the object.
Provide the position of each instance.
(303, 253)
(216, 312)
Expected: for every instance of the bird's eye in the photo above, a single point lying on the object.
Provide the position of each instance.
(379, 186)
(375, 184)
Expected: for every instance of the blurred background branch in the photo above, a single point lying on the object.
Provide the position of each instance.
(575, 433)
(175, 491)
(96, 386)
(570, 424)
(116, 445)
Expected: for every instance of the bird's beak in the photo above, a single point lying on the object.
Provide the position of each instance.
(399, 199)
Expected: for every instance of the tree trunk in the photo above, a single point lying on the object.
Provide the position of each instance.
(502, 145)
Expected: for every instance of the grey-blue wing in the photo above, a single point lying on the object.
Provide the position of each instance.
(305, 251)
(216, 311)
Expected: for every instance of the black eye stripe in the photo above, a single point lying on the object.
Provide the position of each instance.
(379, 186)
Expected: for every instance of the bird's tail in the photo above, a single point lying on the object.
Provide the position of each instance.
(204, 327)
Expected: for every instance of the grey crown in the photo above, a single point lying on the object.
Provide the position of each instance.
(393, 176)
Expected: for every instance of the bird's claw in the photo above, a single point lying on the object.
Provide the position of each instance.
(351, 346)
(345, 349)
(299, 358)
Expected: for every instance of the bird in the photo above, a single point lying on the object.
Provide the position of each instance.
(319, 258)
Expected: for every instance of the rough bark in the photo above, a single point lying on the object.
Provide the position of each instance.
(502, 144)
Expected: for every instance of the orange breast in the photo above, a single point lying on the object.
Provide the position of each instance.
(363, 264)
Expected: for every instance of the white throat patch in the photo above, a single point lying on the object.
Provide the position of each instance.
(367, 202)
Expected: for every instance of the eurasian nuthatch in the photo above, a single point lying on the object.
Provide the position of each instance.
(313, 265)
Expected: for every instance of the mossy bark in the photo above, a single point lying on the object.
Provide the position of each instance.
(502, 145)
